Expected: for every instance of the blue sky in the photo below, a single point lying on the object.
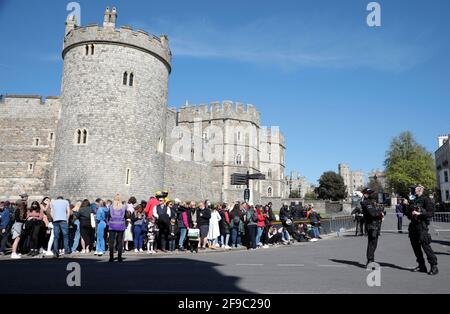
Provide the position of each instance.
(338, 89)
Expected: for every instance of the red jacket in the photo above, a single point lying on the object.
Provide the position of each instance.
(149, 208)
(261, 219)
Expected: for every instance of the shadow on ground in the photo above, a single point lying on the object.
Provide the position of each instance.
(358, 264)
(147, 275)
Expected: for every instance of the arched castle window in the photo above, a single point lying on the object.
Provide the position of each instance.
(85, 136)
(92, 49)
(238, 159)
(125, 78)
(269, 174)
(269, 191)
(78, 135)
(131, 79)
(81, 137)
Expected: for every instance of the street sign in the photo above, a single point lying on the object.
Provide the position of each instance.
(238, 179)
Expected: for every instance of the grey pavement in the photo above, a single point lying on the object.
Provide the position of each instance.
(331, 265)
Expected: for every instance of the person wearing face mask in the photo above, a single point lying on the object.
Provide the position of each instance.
(420, 209)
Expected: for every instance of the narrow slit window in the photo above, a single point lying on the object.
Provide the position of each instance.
(85, 135)
(30, 167)
(92, 49)
(131, 79)
(128, 176)
(125, 78)
(78, 136)
(36, 142)
(87, 50)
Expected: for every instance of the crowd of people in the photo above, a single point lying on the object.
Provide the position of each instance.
(58, 227)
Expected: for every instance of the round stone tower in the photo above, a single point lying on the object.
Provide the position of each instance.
(111, 130)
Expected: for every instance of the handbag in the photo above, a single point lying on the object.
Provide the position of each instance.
(193, 234)
(92, 220)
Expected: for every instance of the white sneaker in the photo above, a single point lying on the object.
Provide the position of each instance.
(313, 240)
(49, 253)
(100, 254)
(141, 250)
(15, 256)
(136, 251)
(96, 253)
(265, 246)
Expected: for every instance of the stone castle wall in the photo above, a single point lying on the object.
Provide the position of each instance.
(25, 166)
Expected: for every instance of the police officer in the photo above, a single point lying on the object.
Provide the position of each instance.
(419, 210)
(373, 216)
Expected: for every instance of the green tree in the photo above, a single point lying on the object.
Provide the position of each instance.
(310, 196)
(331, 187)
(409, 163)
(294, 194)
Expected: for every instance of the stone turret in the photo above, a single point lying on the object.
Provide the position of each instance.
(121, 77)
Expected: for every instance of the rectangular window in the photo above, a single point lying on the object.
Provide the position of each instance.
(51, 136)
(445, 176)
(30, 167)
(447, 196)
(36, 142)
(128, 177)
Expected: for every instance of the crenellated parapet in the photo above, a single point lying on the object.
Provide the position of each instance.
(125, 36)
(220, 111)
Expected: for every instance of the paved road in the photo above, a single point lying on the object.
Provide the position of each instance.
(332, 265)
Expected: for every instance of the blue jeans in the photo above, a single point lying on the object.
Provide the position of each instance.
(58, 227)
(183, 232)
(259, 233)
(316, 232)
(138, 238)
(101, 237)
(286, 236)
(235, 237)
(225, 239)
(76, 239)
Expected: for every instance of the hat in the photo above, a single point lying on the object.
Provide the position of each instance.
(367, 191)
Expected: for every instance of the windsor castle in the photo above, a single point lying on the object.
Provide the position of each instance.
(111, 130)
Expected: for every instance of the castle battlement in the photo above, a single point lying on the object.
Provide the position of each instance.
(220, 111)
(273, 135)
(125, 35)
(29, 99)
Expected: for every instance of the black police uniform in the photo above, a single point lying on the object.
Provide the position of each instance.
(418, 232)
(372, 217)
(359, 221)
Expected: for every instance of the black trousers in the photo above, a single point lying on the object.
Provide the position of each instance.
(117, 237)
(193, 245)
(399, 223)
(252, 236)
(359, 227)
(162, 237)
(35, 230)
(421, 240)
(372, 236)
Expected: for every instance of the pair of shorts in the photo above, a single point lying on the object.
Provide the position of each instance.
(204, 231)
(16, 230)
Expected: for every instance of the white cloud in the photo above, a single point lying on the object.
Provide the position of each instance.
(293, 44)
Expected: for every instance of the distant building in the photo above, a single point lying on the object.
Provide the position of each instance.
(442, 156)
(379, 176)
(353, 180)
(296, 182)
